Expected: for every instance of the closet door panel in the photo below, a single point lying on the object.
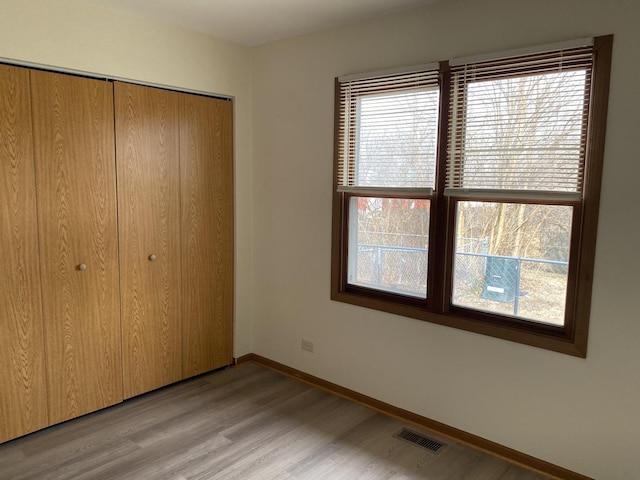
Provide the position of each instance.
(147, 151)
(75, 171)
(23, 404)
(206, 163)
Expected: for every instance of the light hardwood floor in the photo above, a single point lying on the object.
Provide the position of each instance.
(240, 423)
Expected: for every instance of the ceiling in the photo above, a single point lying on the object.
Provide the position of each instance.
(254, 22)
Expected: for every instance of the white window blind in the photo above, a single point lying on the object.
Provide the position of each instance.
(519, 124)
(387, 131)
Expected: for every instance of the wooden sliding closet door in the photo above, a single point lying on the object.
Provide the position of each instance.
(75, 171)
(23, 396)
(148, 154)
(206, 174)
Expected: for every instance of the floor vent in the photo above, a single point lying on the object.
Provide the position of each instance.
(420, 440)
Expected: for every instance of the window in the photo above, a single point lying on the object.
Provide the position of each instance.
(467, 193)
(389, 127)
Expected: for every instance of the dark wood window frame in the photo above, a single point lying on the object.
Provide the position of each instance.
(572, 338)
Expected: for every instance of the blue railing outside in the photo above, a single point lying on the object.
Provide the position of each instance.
(379, 249)
(517, 261)
(514, 283)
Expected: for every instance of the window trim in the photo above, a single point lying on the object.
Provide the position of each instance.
(572, 338)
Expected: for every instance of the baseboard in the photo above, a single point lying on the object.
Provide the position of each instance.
(434, 426)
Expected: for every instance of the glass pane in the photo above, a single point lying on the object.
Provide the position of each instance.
(396, 139)
(388, 240)
(512, 259)
(525, 132)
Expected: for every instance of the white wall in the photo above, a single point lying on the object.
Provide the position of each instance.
(84, 36)
(582, 414)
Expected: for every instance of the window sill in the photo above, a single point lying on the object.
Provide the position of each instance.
(548, 338)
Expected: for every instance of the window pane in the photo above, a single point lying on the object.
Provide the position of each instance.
(512, 259)
(525, 132)
(396, 139)
(388, 240)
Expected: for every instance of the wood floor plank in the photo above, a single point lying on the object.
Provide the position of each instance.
(10, 455)
(246, 423)
(295, 436)
(369, 448)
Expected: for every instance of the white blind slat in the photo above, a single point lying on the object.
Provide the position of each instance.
(519, 124)
(553, 47)
(375, 76)
(494, 194)
(387, 129)
(386, 191)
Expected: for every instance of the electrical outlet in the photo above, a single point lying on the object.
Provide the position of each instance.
(307, 345)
